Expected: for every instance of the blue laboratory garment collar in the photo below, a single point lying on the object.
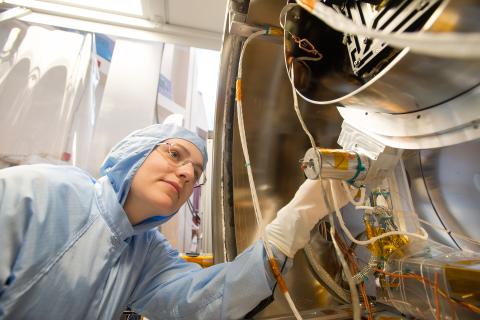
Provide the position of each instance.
(117, 218)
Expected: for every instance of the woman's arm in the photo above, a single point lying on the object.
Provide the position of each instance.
(171, 288)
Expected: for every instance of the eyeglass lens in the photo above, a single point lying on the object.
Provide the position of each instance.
(179, 156)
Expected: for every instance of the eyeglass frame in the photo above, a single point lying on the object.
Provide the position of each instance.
(197, 183)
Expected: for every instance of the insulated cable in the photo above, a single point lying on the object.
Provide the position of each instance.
(458, 235)
(423, 236)
(351, 259)
(349, 195)
(283, 23)
(353, 289)
(346, 270)
(348, 275)
(444, 45)
(258, 214)
(454, 45)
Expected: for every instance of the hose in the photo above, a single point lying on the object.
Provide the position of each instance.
(258, 214)
(352, 286)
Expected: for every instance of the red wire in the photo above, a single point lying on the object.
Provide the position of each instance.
(437, 298)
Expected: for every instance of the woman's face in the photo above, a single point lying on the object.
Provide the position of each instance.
(162, 183)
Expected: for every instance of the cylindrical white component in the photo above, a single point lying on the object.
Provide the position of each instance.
(335, 164)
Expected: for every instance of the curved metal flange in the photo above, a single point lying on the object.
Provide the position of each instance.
(450, 123)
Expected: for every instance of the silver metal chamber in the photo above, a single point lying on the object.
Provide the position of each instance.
(444, 182)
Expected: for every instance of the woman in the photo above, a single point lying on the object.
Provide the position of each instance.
(75, 247)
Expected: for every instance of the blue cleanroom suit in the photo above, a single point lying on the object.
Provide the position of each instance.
(68, 250)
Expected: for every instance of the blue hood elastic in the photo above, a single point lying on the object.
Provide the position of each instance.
(128, 155)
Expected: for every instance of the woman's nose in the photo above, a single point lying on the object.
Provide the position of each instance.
(186, 171)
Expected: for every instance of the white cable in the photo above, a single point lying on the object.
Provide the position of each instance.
(256, 206)
(461, 236)
(353, 289)
(464, 49)
(423, 236)
(446, 45)
(283, 13)
(299, 116)
(289, 75)
(346, 269)
(364, 208)
(243, 140)
(349, 195)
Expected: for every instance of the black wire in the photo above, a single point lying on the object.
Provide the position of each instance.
(432, 204)
(190, 207)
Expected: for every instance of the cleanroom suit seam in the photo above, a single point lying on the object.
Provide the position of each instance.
(53, 261)
(102, 209)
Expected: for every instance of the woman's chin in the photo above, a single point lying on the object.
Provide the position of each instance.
(162, 200)
(165, 208)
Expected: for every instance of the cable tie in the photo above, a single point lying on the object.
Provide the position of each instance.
(360, 168)
(267, 29)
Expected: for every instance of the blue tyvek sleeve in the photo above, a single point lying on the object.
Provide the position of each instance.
(37, 214)
(13, 226)
(174, 289)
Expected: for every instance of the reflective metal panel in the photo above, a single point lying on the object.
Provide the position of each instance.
(421, 199)
(446, 193)
(275, 138)
(444, 182)
(276, 142)
(450, 176)
(413, 82)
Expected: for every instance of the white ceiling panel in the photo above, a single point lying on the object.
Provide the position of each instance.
(206, 15)
(194, 23)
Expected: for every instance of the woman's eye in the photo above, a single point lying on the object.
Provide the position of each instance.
(174, 154)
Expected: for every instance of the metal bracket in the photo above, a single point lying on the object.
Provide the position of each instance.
(385, 158)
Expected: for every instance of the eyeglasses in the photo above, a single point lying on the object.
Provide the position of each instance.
(178, 156)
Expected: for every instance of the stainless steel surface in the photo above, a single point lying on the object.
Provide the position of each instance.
(452, 122)
(320, 255)
(410, 82)
(223, 232)
(449, 175)
(421, 198)
(444, 182)
(265, 12)
(446, 194)
(275, 138)
(326, 313)
(276, 143)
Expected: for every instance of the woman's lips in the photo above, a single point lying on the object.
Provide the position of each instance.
(175, 186)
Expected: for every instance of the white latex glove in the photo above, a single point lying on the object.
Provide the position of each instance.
(290, 230)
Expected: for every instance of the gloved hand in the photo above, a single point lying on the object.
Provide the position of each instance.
(290, 230)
